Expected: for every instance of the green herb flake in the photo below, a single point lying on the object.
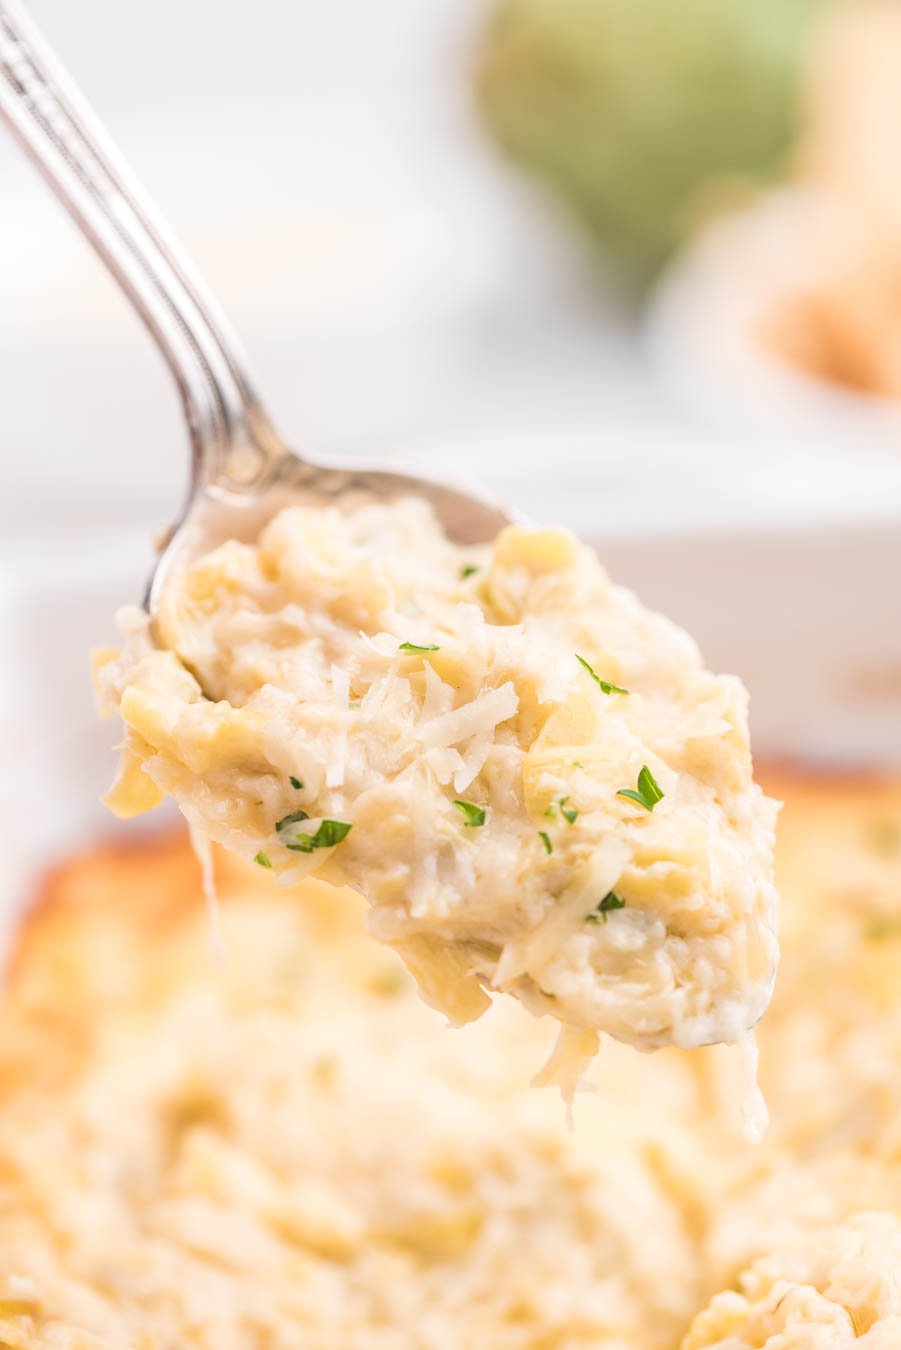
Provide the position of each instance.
(291, 819)
(610, 902)
(469, 570)
(332, 832)
(295, 782)
(648, 792)
(568, 812)
(546, 840)
(475, 815)
(414, 647)
(262, 859)
(604, 685)
(329, 833)
(551, 811)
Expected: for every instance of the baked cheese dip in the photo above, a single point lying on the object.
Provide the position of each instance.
(831, 1289)
(289, 1150)
(533, 780)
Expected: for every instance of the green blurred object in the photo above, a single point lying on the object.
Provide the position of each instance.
(635, 110)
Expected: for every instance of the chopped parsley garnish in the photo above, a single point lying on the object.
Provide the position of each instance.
(604, 685)
(295, 782)
(329, 833)
(469, 570)
(610, 902)
(568, 812)
(262, 859)
(475, 815)
(415, 647)
(291, 819)
(546, 840)
(648, 792)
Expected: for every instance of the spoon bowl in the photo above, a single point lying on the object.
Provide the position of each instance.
(215, 514)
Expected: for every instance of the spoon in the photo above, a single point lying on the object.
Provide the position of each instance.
(242, 472)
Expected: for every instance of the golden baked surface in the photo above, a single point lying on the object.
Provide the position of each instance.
(292, 1150)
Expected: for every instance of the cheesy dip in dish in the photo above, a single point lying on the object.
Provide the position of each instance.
(534, 782)
(289, 1150)
(830, 1289)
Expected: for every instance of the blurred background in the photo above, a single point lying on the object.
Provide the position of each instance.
(634, 264)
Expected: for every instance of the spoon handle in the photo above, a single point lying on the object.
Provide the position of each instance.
(232, 440)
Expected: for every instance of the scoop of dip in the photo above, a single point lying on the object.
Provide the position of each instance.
(533, 780)
(831, 1288)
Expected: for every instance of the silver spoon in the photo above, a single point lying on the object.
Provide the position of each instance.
(242, 471)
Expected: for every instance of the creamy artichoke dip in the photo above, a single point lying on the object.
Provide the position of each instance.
(533, 780)
(290, 1151)
(835, 1288)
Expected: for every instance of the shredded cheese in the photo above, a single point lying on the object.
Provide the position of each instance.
(539, 696)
